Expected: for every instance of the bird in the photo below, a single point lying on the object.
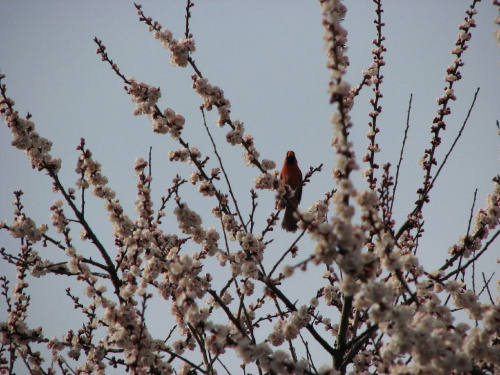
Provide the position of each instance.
(291, 176)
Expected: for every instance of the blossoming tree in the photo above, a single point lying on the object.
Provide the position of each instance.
(368, 307)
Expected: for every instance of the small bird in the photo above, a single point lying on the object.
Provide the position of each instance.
(291, 176)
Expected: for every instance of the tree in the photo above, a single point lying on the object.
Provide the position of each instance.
(207, 281)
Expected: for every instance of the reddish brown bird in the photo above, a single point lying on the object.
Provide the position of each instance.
(291, 176)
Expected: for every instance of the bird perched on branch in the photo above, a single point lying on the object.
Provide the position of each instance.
(291, 176)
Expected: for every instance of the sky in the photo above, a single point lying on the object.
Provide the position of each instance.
(268, 58)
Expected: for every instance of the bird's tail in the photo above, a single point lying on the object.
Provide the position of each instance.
(289, 222)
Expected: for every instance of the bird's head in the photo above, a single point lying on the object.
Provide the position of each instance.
(290, 158)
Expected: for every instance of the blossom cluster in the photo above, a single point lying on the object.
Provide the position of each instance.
(345, 162)
(171, 122)
(266, 180)
(91, 173)
(24, 227)
(180, 48)
(144, 95)
(370, 74)
(213, 95)
(25, 137)
(335, 35)
(187, 155)
(122, 225)
(59, 219)
(235, 135)
(497, 22)
(189, 222)
(245, 262)
(143, 203)
(250, 154)
(278, 362)
(424, 331)
(14, 331)
(210, 244)
(125, 330)
(485, 220)
(289, 329)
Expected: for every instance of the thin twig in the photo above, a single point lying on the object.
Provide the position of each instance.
(430, 183)
(235, 202)
(149, 165)
(189, 4)
(471, 216)
(292, 246)
(455, 141)
(329, 349)
(487, 287)
(396, 178)
(460, 269)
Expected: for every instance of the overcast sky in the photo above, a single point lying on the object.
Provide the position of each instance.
(268, 58)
